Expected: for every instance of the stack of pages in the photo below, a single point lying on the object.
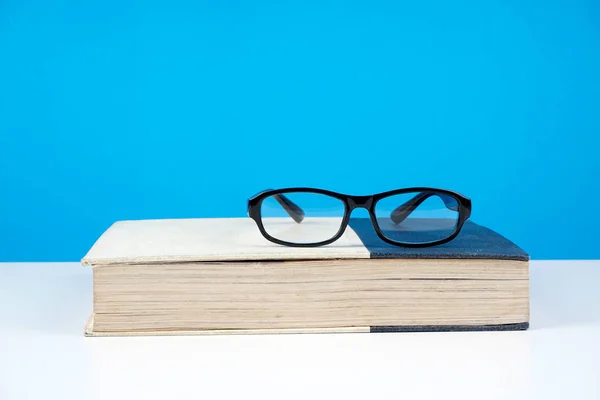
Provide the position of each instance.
(214, 276)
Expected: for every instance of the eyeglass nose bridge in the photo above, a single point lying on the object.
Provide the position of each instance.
(360, 202)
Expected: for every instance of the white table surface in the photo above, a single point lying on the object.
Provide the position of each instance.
(43, 353)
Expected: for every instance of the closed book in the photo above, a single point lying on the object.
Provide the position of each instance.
(219, 276)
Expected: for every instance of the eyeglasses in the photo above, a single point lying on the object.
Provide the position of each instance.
(307, 217)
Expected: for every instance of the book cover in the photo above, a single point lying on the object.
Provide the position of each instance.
(237, 239)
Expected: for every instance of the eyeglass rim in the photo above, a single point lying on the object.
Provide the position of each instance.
(352, 202)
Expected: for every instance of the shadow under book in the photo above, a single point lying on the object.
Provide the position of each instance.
(219, 276)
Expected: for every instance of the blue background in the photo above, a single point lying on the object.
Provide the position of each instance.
(124, 110)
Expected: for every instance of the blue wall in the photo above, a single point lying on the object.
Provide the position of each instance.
(170, 109)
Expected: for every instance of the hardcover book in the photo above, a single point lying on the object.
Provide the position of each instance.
(219, 276)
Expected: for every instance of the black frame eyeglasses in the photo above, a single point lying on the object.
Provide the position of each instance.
(310, 217)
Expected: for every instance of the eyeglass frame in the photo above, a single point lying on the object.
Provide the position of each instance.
(352, 202)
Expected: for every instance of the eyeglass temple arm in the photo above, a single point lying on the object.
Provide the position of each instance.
(290, 207)
(404, 210)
